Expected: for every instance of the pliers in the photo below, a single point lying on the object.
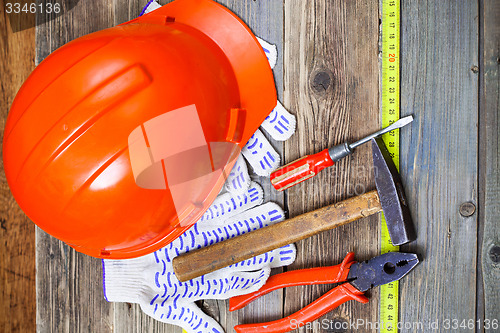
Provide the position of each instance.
(360, 277)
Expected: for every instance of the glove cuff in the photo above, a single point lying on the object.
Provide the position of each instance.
(123, 280)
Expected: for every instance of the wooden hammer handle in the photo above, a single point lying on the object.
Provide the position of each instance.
(203, 261)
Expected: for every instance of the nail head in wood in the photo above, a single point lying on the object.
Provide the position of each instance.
(467, 209)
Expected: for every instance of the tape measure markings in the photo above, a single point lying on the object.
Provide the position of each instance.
(389, 293)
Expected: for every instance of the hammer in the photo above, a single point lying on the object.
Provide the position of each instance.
(389, 198)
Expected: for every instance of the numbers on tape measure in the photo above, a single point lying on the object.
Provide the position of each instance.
(389, 293)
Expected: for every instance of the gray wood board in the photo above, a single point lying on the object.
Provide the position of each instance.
(489, 166)
(69, 284)
(439, 155)
(17, 233)
(332, 83)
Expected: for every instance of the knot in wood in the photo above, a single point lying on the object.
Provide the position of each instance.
(321, 82)
(495, 254)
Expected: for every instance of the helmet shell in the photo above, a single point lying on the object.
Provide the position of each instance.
(66, 148)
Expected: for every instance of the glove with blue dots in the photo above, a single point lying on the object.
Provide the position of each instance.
(151, 282)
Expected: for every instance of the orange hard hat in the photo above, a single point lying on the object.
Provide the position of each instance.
(121, 139)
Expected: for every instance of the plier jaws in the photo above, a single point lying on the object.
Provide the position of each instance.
(359, 277)
(386, 268)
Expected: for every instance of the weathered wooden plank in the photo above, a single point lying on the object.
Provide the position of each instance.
(439, 155)
(332, 84)
(489, 165)
(69, 284)
(17, 233)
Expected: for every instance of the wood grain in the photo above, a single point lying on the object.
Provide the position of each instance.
(207, 260)
(439, 85)
(489, 164)
(331, 83)
(17, 233)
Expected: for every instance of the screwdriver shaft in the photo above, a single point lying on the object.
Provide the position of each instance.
(398, 124)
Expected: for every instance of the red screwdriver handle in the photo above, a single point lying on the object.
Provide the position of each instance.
(313, 311)
(300, 170)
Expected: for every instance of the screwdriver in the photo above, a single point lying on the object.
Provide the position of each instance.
(309, 166)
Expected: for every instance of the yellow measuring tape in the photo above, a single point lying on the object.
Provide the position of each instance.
(389, 293)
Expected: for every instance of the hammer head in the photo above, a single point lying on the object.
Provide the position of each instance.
(392, 196)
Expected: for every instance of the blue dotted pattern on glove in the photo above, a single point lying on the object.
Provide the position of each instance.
(197, 323)
(280, 122)
(172, 289)
(267, 52)
(255, 145)
(187, 241)
(239, 182)
(231, 204)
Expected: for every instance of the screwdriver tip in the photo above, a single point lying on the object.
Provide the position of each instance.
(404, 121)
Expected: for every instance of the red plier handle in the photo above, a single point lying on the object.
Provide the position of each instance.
(323, 305)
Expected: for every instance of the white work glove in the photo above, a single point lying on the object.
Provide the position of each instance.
(151, 282)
